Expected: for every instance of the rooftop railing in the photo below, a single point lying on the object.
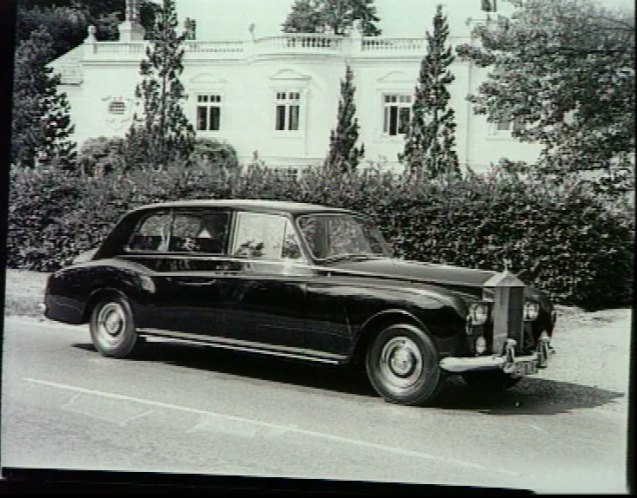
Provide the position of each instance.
(287, 43)
(393, 45)
(214, 47)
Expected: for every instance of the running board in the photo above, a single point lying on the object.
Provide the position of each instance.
(246, 346)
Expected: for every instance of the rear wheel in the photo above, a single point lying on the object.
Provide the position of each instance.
(112, 327)
(402, 365)
(492, 380)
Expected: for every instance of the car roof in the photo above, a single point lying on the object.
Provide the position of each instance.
(295, 208)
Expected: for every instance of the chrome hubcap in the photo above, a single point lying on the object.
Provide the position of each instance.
(111, 323)
(401, 363)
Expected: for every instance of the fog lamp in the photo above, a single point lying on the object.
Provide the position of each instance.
(480, 345)
(478, 313)
(531, 311)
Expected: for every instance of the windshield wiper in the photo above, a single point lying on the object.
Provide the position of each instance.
(352, 256)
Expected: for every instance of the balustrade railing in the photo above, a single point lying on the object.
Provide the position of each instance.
(285, 43)
(301, 41)
(393, 44)
(214, 46)
(119, 48)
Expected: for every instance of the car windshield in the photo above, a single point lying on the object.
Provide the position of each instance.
(342, 236)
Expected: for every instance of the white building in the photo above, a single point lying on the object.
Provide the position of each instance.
(277, 94)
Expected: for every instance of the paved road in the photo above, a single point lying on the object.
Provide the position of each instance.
(192, 409)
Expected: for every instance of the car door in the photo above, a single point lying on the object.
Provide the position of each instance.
(185, 249)
(264, 302)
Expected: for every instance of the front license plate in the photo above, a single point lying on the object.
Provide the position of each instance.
(525, 368)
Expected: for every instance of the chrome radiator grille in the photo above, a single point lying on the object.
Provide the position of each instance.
(507, 292)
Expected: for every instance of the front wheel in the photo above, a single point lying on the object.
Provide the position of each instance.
(492, 380)
(112, 328)
(402, 365)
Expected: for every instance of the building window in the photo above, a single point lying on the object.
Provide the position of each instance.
(396, 114)
(287, 173)
(208, 112)
(516, 124)
(117, 107)
(288, 111)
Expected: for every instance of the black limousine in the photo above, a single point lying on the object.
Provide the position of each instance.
(302, 281)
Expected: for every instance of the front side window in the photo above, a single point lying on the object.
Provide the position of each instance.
(208, 112)
(396, 114)
(287, 111)
(265, 236)
(341, 235)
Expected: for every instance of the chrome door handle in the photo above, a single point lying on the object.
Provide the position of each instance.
(199, 284)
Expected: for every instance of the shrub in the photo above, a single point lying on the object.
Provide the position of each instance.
(99, 156)
(214, 154)
(583, 247)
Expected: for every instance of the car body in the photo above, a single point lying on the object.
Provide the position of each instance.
(302, 281)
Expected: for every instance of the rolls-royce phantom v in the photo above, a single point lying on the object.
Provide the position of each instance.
(302, 281)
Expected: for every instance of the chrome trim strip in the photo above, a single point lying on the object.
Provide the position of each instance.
(326, 269)
(238, 345)
(459, 365)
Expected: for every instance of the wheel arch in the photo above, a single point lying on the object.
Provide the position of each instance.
(378, 322)
(96, 296)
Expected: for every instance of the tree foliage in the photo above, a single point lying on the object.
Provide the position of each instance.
(67, 20)
(66, 25)
(430, 138)
(343, 153)
(41, 124)
(162, 134)
(312, 16)
(565, 68)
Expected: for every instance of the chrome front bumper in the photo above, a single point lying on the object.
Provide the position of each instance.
(509, 363)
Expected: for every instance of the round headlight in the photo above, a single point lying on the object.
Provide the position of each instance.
(480, 345)
(531, 311)
(478, 313)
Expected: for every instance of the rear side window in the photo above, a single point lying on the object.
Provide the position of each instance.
(199, 232)
(191, 232)
(152, 234)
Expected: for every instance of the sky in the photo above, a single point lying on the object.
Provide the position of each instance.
(230, 19)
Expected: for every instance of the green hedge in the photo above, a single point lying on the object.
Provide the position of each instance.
(583, 247)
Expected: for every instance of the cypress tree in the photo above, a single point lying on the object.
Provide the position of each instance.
(41, 125)
(343, 154)
(163, 134)
(430, 139)
(305, 17)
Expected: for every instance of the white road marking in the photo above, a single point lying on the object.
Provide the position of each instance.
(134, 417)
(277, 427)
(71, 401)
(538, 428)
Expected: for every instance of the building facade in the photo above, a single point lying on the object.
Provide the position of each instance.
(277, 95)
